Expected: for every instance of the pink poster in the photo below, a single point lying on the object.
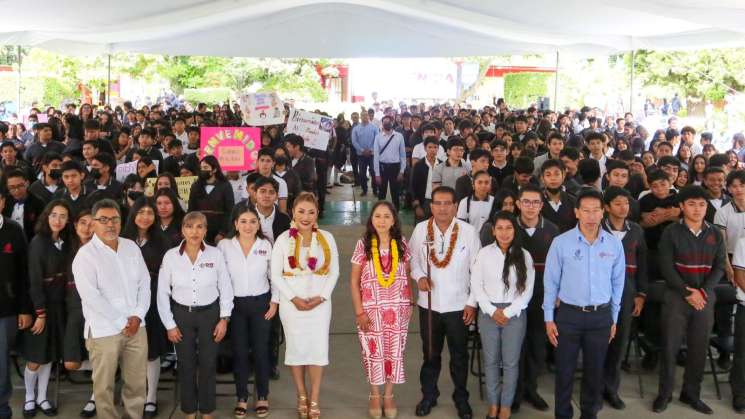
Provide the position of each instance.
(235, 147)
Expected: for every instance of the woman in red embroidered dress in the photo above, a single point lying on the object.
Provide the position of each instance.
(382, 300)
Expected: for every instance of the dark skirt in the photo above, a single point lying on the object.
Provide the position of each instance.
(157, 337)
(74, 342)
(47, 346)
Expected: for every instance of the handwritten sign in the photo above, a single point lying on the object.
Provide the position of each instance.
(236, 148)
(183, 185)
(260, 109)
(125, 169)
(314, 128)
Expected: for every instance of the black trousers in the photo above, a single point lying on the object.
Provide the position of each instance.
(353, 162)
(651, 318)
(197, 357)
(681, 321)
(588, 331)
(737, 373)
(389, 173)
(444, 326)
(726, 300)
(617, 347)
(322, 167)
(250, 335)
(533, 355)
(365, 169)
(275, 334)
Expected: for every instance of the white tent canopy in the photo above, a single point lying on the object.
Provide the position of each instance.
(371, 28)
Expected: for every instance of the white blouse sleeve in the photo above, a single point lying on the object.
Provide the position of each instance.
(164, 293)
(479, 273)
(224, 286)
(278, 266)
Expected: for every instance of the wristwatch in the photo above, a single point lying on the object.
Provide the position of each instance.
(227, 319)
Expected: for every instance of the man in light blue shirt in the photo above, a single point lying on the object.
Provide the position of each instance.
(583, 284)
(389, 153)
(363, 139)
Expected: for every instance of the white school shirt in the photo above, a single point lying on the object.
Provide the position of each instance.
(738, 262)
(113, 286)
(17, 214)
(478, 213)
(451, 283)
(197, 284)
(267, 223)
(488, 286)
(732, 220)
(249, 274)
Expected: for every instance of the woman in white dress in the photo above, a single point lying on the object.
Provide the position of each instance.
(305, 268)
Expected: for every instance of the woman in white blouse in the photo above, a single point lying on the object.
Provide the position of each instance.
(476, 207)
(195, 299)
(502, 279)
(247, 254)
(305, 268)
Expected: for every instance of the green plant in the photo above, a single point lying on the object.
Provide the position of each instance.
(209, 95)
(522, 89)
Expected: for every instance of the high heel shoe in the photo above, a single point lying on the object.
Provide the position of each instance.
(302, 407)
(375, 413)
(390, 413)
(315, 411)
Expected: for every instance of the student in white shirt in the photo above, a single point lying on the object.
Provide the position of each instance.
(454, 245)
(195, 300)
(502, 279)
(476, 208)
(247, 255)
(114, 286)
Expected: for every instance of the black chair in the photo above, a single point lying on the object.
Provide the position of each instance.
(721, 345)
(473, 343)
(634, 343)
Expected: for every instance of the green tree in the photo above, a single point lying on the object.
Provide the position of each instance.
(706, 73)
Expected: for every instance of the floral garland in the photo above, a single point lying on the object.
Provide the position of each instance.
(311, 261)
(385, 283)
(431, 238)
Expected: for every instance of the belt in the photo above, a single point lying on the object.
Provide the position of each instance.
(193, 309)
(254, 297)
(54, 277)
(586, 309)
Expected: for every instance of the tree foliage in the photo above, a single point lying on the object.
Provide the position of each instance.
(522, 89)
(709, 73)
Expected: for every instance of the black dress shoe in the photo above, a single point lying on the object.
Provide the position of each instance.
(464, 410)
(696, 404)
(739, 404)
(88, 413)
(537, 401)
(660, 404)
(29, 413)
(150, 413)
(47, 408)
(615, 402)
(424, 407)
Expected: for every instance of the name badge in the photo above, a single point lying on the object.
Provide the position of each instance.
(206, 265)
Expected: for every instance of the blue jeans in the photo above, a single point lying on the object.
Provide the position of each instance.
(501, 346)
(8, 328)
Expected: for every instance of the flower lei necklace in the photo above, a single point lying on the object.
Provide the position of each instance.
(311, 262)
(385, 282)
(431, 238)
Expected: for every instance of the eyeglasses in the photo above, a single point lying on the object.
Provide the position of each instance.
(17, 187)
(531, 203)
(107, 220)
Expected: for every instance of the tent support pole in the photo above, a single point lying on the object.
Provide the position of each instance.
(18, 92)
(556, 83)
(631, 81)
(108, 83)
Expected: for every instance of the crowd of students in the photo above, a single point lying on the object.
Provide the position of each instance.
(553, 232)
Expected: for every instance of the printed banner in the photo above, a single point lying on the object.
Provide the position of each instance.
(236, 148)
(261, 109)
(182, 183)
(314, 128)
